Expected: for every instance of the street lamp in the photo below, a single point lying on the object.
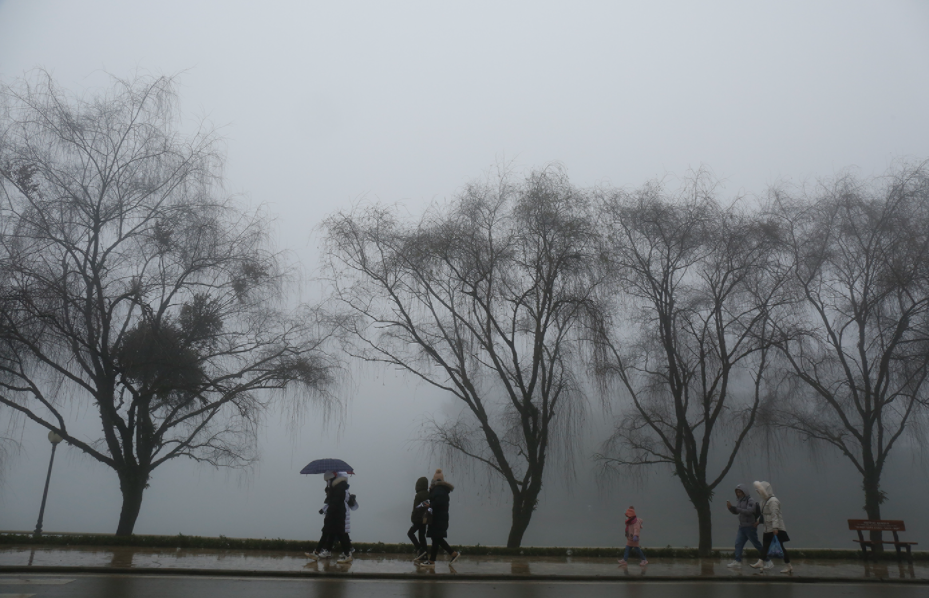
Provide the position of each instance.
(54, 439)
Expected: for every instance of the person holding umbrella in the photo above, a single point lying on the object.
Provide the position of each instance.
(337, 522)
(333, 470)
(323, 547)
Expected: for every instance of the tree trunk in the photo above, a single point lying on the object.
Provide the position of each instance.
(872, 504)
(700, 497)
(705, 523)
(524, 505)
(132, 484)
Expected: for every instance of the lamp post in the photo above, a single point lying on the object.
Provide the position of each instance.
(54, 439)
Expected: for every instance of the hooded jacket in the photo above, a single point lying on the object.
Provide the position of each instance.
(338, 519)
(422, 495)
(438, 500)
(745, 508)
(770, 508)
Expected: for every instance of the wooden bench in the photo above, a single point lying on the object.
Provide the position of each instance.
(881, 525)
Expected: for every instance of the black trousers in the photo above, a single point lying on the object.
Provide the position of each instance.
(328, 540)
(324, 542)
(420, 542)
(766, 539)
(436, 542)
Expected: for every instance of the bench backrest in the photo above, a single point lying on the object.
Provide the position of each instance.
(883, 525)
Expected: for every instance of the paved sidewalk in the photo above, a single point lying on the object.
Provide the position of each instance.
(267, 563)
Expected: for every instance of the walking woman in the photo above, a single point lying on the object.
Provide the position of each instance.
(337, 522)
(418, 518)
(322, 547)
(773, 527)
(438, 529)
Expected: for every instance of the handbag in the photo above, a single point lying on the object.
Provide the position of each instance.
(775, 549)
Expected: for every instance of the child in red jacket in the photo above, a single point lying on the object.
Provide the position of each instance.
(633, 529)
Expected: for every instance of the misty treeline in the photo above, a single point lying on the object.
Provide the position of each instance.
(699, 317)
(130, 283)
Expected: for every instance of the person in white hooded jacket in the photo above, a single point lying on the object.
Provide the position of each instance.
(773, 527)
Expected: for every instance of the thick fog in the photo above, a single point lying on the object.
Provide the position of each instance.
(324, 104)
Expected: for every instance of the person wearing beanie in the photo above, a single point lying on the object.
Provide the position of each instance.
(633, 529)
(438, 528)
(420, 517)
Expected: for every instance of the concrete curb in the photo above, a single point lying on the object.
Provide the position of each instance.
(781, 579)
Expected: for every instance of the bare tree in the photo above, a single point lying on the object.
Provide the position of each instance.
(689, 341)
(480, 299)
(127, 283)
(859, 353)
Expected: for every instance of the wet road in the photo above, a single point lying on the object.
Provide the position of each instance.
(147, 586)
(269, 563)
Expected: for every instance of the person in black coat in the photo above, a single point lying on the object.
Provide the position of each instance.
(322, 550)
(438, 529)
(419, 517)
(336, 523)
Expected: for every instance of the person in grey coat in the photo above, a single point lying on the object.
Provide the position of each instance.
(747, 510)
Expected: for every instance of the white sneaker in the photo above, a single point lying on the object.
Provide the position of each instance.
(787, 569)
(735, 565)
(421, 556)
(769, 564)
(345, 559)
(324, 554)
(758, 564)
(313, 556)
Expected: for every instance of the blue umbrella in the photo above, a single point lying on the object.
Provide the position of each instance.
(324, 465)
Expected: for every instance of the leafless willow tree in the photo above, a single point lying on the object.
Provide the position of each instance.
(129, 284)
(859, 353)
(480, 299)
(689, 342)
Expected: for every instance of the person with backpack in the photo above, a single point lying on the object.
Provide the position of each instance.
(773, 528)
(438, 529)
(419, 518)
(748, 511)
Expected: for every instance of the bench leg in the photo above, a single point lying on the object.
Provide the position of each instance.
(864, 550)
(909, 553)
(899, 555)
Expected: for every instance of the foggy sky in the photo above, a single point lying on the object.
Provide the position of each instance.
(323, 104)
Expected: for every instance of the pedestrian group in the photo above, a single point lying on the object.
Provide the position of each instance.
(429, 519)
(751, 515)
